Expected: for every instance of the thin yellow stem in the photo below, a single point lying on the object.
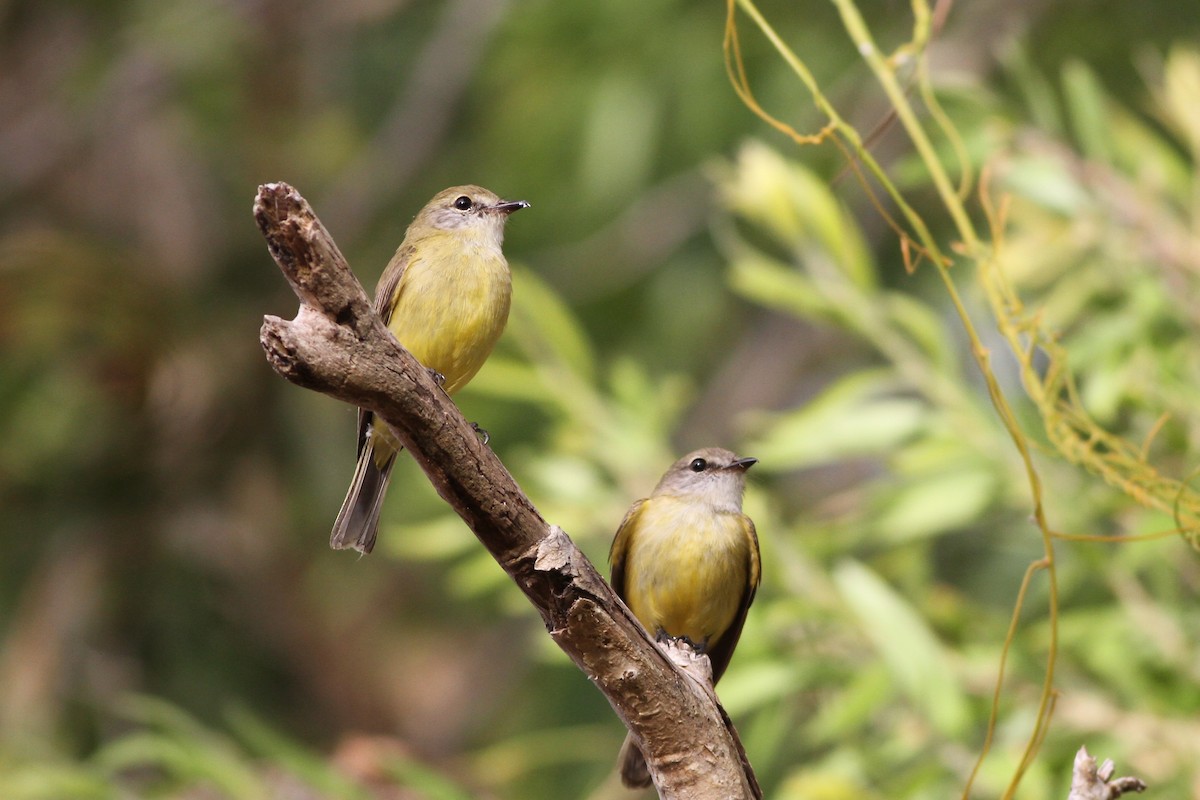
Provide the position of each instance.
(994, 716)
(886, 75)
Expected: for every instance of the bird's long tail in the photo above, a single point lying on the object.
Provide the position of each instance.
(634, 772)
(358, 520)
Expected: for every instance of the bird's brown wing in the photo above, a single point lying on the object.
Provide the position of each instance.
(384, 304)
(720, 653)
(620, 547)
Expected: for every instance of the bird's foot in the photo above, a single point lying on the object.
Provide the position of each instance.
(662, 637)
(484, 435)
(688, 656)
(438, 377)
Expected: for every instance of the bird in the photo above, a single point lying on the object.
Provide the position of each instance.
(685, 560)
(445, 295)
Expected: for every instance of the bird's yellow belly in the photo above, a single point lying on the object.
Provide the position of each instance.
(455, 334)
(687, 570)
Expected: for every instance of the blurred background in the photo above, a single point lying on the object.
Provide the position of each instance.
(172, 621)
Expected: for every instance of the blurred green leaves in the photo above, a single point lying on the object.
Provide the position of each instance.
(917, 661)
(940, 469)
(857, 416)
(171, 754)
(766, 309)
(795, 207)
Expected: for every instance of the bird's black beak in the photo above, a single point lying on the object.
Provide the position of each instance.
(509, 206)
(743, 463)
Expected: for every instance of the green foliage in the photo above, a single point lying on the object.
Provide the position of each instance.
(958, 481)
(171, 754)
(685, 277)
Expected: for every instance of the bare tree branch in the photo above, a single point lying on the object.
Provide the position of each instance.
(1091, 783)
(338, 346)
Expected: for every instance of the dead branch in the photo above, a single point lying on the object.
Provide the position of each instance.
(336, 345)
(1089, 782)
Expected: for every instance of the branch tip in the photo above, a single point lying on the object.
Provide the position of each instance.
(1089, 782)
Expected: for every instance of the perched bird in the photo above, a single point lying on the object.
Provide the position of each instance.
(685, 560)
(445, 295)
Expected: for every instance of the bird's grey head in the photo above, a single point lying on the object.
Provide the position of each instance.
(712, 474)
(469, 207)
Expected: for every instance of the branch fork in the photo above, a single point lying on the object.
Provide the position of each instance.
(338, 346)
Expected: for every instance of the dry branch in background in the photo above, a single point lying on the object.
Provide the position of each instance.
(336, 345)
(1091, 783)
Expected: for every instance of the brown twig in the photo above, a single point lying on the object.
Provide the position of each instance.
(1089, 782)
(336, 345)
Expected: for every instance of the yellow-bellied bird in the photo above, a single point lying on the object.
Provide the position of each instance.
(445, 296)
(686, 562)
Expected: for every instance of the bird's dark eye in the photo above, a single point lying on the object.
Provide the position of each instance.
(698, 465)
(463, 203)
